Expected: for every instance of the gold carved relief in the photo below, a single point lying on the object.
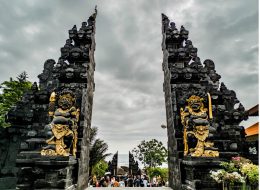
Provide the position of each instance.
(195, 121)
(62, 131)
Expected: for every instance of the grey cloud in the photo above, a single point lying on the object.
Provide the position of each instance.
(129, 100)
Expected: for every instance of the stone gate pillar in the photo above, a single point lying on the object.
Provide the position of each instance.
(113, 165)
(53, 119)
(203, 115)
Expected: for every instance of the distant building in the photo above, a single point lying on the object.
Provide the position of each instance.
(253, 130)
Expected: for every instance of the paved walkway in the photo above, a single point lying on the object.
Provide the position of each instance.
(130, 188)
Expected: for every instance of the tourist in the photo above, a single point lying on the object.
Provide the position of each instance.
(116, 183)
(154, 182)
(125, 180)
(108, 182)
(159, 181)
(112, 181)
(93, 182)
(121, 182)
(141, 181)
(137, 181)
(130, 181)
(163, 183)
(102, 182)
(145, 181)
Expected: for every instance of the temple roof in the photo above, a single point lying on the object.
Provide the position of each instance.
(253, 111)
(252, 130)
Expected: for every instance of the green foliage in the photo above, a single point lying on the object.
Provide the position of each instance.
(155, 172)
(98, 149)
(251, 172)
(11, 93)
(99, 169)
(229, 166)
(151, 153)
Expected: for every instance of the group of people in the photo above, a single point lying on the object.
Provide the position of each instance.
(126, 181)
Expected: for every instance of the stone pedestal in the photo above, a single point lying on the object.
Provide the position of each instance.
(55, 172)
(50, 172)
(195, 173)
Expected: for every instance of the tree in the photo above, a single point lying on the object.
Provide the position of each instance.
(98, 149)
(11, 92)
(100, 169)
(155, 172)
(151, 153)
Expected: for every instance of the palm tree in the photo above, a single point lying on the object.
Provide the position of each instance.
(98, 149)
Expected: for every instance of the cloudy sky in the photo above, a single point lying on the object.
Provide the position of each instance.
(129, 100)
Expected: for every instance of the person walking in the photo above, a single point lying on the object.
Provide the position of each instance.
(130, 181)
(102, 182)
(145, 181)
(137, 181)
(94, 182)
(116, 183)
(121, 182)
